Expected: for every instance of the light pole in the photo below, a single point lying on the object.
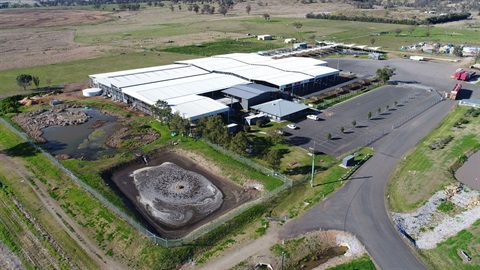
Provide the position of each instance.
(283, 258)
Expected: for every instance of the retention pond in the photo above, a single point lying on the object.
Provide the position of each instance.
(175, 195)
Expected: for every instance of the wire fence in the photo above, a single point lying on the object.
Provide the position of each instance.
(287, 182)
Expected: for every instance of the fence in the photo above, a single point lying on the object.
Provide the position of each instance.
(156, 239)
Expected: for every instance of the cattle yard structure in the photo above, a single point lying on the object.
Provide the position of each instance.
(193, 88)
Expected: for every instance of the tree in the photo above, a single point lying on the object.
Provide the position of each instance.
(428, 30)
(266, 16)
(248, 8)
(297, 25)
(172, 8)
(223, 10)
(384, 74)
(342, 130)
(387, 107)
(213, 129)
(179, 124)
(457, 50)
(162, 111)
(260, 122)
(239, 143)
(411, 29)
(24, 80)
(276, 136)
(354, 123)
(369, 115)
(379, 110)
(196, 8)
(372, 41)
(395, 103)
(36, 81)
(274, 158)
(398, 31)
(329, 136)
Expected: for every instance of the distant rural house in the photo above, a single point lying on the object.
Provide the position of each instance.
(290, 40)
(265, 37)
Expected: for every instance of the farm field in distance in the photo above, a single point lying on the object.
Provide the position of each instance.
(62, 50)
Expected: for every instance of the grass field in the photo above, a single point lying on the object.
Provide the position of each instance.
(157, 36)
(446, 255)
(425, 171)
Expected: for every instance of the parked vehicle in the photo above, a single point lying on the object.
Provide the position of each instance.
(292, 126)
(313, 117)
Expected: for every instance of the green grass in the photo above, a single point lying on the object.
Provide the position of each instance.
(408, 188)
(362, 263)
(445, 207)
(76, 71)
(225, 46)
(445, 256)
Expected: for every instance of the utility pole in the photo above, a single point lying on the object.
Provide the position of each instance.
(313, 165)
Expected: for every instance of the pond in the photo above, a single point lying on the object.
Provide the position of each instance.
(175, 195)
(469, 173)
(85, 140)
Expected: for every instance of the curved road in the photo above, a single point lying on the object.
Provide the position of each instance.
(359, 206)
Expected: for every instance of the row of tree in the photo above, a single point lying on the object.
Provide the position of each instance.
(213, 129)
(25, 80)
(432, 20)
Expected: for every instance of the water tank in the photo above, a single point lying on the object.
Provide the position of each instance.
(91, 92)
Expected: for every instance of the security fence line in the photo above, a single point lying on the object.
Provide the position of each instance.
(156, 239)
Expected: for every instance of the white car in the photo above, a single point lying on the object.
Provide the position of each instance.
(313, 117)
(292, 126)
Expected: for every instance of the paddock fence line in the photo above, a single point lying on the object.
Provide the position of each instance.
(287, 182)
(156, 239)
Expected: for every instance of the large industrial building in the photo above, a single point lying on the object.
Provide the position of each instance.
(208, 86)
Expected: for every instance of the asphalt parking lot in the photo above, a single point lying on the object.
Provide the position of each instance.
(409, 100)
(419, 88)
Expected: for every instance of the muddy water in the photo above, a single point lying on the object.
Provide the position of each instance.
(233, 195)
(323, 257)
(469, 173)
(82, 140)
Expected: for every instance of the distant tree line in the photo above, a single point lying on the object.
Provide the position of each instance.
(450, 17)
(432, 20)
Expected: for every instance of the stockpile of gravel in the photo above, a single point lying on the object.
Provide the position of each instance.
(355, 248)
(429, 226)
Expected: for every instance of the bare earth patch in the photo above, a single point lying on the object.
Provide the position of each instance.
(24, 18)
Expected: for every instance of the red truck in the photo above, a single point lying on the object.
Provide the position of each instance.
(463, 75)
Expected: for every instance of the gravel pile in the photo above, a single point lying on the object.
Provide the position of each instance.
(429, 226)
(355, 248)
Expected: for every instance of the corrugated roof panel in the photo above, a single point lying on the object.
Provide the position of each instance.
(280, 107)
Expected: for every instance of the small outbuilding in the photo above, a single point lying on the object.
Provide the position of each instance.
(300, 46)
(265, 37)
(348, 161)
(290, 40)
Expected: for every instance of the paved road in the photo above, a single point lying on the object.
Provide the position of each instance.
(359, 206)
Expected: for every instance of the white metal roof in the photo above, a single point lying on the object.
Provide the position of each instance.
(213, 64)
(280, 107)
(150, 75)
(262, 68)
(194, 107)
(165, 90)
